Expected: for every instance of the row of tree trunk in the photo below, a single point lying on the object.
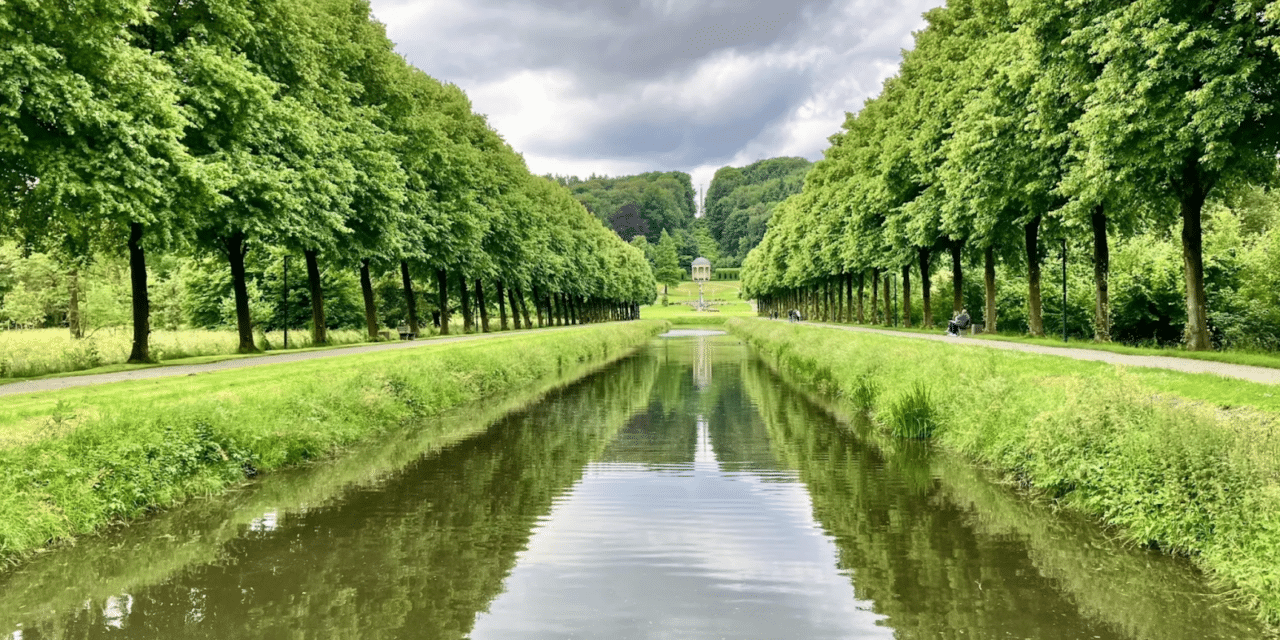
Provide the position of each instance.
(553, 309)
(833, 300)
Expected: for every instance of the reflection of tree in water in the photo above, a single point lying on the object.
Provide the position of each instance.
(665, 433)
(944, 556)
(1149, 596)
(910, 553)
(415, 557)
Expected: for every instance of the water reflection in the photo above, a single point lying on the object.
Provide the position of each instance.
(702, 363)
(686, 492)
(666, 538)
(944, 553)
(414, 556)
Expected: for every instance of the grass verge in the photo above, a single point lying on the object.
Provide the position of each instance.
(1153, 454)
(35, 353)
(74, 461)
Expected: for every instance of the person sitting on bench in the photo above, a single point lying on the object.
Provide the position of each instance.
(958, 324)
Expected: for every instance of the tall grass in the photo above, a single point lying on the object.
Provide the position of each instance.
(29, 353)
(78, 460)
(1179, 472)
(912, 414)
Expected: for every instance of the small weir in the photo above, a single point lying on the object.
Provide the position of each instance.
(684, 492)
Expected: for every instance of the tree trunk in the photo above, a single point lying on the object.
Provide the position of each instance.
(524, 308)
(989, 282)
(464, 299)
(319, 333)
(537, 306)
(957, 280)
(906, 295)
(74, 323)
(370, 306)
(875, 296)
(1033, 277)
(235, 247)
(141, 303)
(926, 287)
(410, 298)
(829, 291)
(1101, 275)
(515, 309)
(1197, 329)
(442, 282)
(502, 306)
(842, 303)
(862, 283)
(849, 298)
(888, 300)
(484, 308)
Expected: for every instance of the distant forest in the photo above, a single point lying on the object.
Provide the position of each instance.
(646, 205)
(641, 205)
(741, 201)
(738, 204)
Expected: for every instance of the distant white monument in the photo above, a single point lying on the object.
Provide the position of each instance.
(701, 275)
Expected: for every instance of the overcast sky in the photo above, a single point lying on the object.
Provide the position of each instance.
(625, 86)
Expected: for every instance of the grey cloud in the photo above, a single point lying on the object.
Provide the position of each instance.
(627, 60)
(605, 42)
(673, 136)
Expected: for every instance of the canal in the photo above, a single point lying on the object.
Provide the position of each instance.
(683, 492)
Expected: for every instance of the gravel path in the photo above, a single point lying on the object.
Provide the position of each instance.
(54, 384)
(1187, 365)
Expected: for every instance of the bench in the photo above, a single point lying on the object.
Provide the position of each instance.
(405, 333)
(975, 328)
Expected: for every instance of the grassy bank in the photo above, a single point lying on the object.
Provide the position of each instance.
(74, 461)
(594, 406)
(1154, 454)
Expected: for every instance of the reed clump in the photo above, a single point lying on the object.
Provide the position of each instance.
(911, 415)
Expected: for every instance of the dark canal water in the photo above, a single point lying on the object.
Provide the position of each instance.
(684, 492)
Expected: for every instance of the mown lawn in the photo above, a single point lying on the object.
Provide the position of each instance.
(722, 297)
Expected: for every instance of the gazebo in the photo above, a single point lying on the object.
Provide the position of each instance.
(701, 274)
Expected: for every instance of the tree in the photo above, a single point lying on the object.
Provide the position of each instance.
(89, 134)
(667, 262)
(1182, 107)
